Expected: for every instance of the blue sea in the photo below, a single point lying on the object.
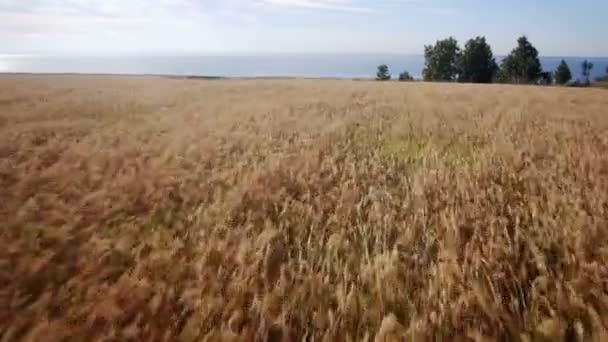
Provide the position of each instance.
(260, 65)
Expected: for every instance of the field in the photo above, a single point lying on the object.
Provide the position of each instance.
(601, 84)
(143, 208)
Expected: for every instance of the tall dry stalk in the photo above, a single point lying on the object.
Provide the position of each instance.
(157, 209)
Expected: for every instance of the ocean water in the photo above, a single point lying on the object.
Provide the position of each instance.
(272, 65)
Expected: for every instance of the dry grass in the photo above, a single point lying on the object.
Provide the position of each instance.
(600, 84)
(166, 209)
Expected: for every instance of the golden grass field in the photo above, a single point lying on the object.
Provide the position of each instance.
(159, 209)
(602, 84)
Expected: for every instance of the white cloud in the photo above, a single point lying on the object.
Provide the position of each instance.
(117, 26)
(122, 7)
(93, 7)
(333, 5)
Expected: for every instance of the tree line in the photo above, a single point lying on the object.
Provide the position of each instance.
(446, 61)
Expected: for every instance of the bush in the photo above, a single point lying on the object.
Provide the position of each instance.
(383, 73)
(563, 74)
(545, 78)
(586, 71)
(405, 76)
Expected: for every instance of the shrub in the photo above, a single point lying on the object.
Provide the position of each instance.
(383, 73)
(563, 74)
(586, 71)
(405, 76)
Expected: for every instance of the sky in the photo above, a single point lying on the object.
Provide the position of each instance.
(139, 27)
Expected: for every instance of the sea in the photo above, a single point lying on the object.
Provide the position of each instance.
(257, 65)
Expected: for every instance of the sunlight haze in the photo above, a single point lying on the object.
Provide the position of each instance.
(558, 28)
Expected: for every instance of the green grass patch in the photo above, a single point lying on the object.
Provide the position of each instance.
(412, 149)
(406, 148)
(456, 152)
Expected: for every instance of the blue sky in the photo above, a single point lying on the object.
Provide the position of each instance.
(556, 27)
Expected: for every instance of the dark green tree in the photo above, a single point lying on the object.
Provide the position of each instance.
(477, 63)
(383, 74)
(405, 76)
(545, 78)
(522, 64)
(563, 74)
(586, 66)
(603, 78)
(441, 60)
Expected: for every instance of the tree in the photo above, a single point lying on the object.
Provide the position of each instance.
(477, 63)
(383, 73)
(522, 64)
(563, 74)
(545, 78)
(405, 76)
(586, 66)
(603, 78)
(441, 60)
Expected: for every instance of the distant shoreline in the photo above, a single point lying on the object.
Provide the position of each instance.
(313, 66)
(190, 77)
(594, 85)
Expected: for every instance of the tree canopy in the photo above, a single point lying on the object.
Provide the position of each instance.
(445, 61)
(383, 73)
(522, 64)
(563, 74)
(441, 60)
(405, 76)
(477, 63)
(586, 70)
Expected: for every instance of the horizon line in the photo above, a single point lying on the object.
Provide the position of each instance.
(245, 54)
